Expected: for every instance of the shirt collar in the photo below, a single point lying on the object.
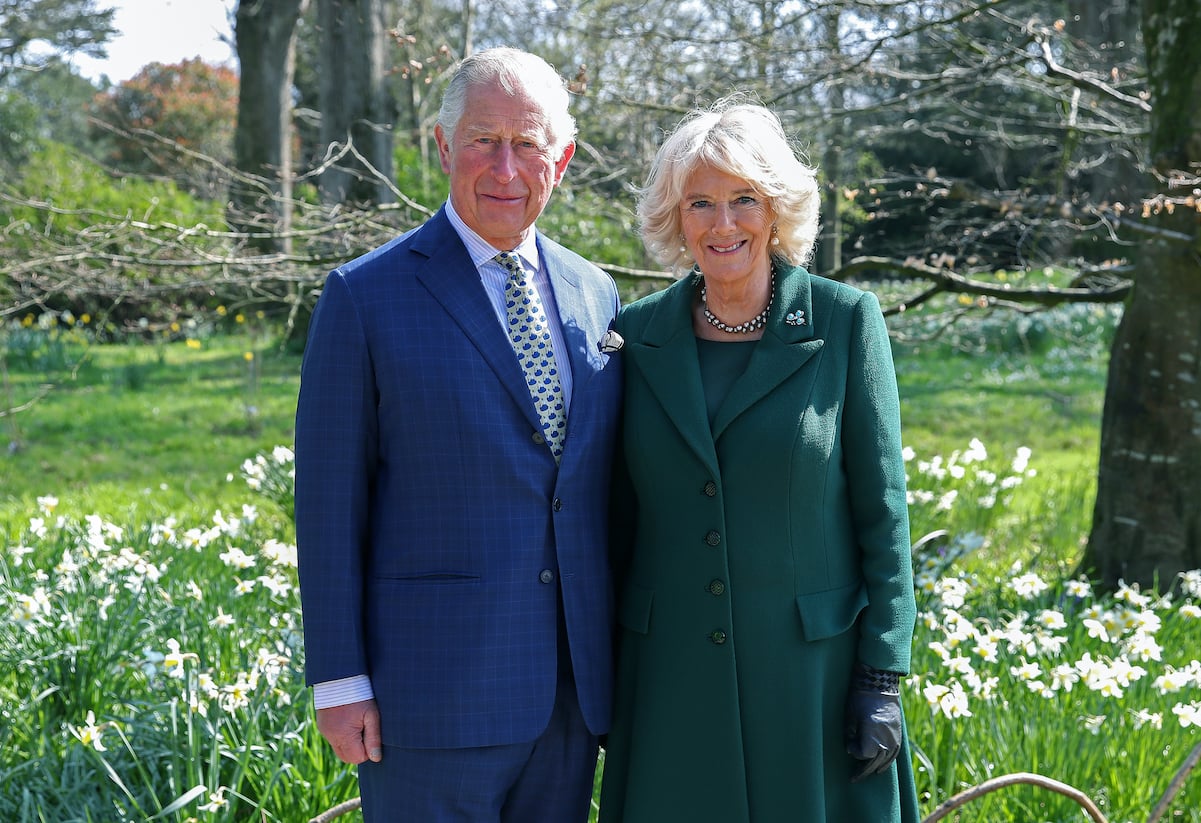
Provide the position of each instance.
(482, 251)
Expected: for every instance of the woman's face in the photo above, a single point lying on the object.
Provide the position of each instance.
(727, 226)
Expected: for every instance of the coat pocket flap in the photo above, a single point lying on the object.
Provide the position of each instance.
(826, 614)
(634, 612)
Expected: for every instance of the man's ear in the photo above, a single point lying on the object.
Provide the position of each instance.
(444, 148)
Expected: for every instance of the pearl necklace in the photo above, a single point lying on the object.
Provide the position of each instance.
(754, 324)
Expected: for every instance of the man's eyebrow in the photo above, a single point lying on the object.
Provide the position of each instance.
(537, 135)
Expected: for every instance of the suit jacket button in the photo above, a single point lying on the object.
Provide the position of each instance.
(717, 588)
(546, 576)
(718, 637)
(539, 439)
(557, 505)
(713, 538)
(710, 489)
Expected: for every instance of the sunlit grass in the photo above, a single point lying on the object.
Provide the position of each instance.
(145, 426)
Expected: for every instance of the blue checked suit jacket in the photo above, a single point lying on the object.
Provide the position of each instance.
(433, 528)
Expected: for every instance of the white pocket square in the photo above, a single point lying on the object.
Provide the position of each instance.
(611, 342)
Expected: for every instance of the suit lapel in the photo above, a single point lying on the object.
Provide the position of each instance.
(783, 350)
(452, 279)
(585, 314)
(577, 312)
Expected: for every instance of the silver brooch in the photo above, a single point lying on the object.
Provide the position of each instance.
(795, 318)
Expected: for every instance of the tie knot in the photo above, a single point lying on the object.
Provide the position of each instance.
(510, 262)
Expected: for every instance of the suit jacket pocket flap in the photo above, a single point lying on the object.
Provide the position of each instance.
(635, 610)
(826, 614)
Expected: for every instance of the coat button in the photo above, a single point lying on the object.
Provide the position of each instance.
(557, 505)
(546, 576)
(539, 439)
(717, 588)
(713, 538)
(710, 489)
(718, 637)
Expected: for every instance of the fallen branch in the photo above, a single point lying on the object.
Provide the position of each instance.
(989, 786)
(337, 811)
(1174, 787)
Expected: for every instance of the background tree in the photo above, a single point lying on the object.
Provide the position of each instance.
(38, 105)
(147, 120)
(1147, 524)
(36, 32)
(39, 94)
(357, 111)
(263, 142)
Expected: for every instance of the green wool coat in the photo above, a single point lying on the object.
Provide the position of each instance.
(767, 554)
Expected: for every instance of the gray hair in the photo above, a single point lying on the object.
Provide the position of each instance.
(740, 139)
(516, 71)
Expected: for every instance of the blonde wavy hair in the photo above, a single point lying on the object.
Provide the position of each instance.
(742, 139)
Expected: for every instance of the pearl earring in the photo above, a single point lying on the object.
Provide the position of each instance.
(775, 238)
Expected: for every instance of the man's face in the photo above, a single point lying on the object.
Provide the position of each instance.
(502, 170)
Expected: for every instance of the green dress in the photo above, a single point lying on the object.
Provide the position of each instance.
(767, 549)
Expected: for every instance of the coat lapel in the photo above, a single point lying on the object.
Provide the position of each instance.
(785, 347)
(667, 357)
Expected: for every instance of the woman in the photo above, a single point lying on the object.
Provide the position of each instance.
(766, 610)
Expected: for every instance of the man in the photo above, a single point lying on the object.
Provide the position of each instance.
(451, 529)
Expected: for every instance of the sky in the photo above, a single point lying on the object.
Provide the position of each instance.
(162, 31)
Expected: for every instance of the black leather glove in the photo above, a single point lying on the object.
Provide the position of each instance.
(873, 720)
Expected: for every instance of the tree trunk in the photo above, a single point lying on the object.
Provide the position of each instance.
(259, 201)
(356, 109)
(829, 247)
(1147, 520)
(1110, 30)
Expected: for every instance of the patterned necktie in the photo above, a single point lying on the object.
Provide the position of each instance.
(529, 332)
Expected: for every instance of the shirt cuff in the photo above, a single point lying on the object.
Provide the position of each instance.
(333, 693)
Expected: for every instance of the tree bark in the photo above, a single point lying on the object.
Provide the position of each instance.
(259, 201)
(829, 248)
(1147, 519)
(1110, 30)
(356, 108)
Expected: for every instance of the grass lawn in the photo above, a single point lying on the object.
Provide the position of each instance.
(123, 425)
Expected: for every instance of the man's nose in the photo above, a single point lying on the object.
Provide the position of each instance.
(504, 163)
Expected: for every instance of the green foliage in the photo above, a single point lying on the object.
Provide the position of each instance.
(62, 200)
(18, 127)
(67, 26)
(191, 106)
(47, 346)
(1013, 672)
(419, 175)
(155, 669)
(591, 223)
(83, 194)
(60, 98)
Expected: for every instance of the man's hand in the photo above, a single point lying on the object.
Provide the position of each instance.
(353, 731)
